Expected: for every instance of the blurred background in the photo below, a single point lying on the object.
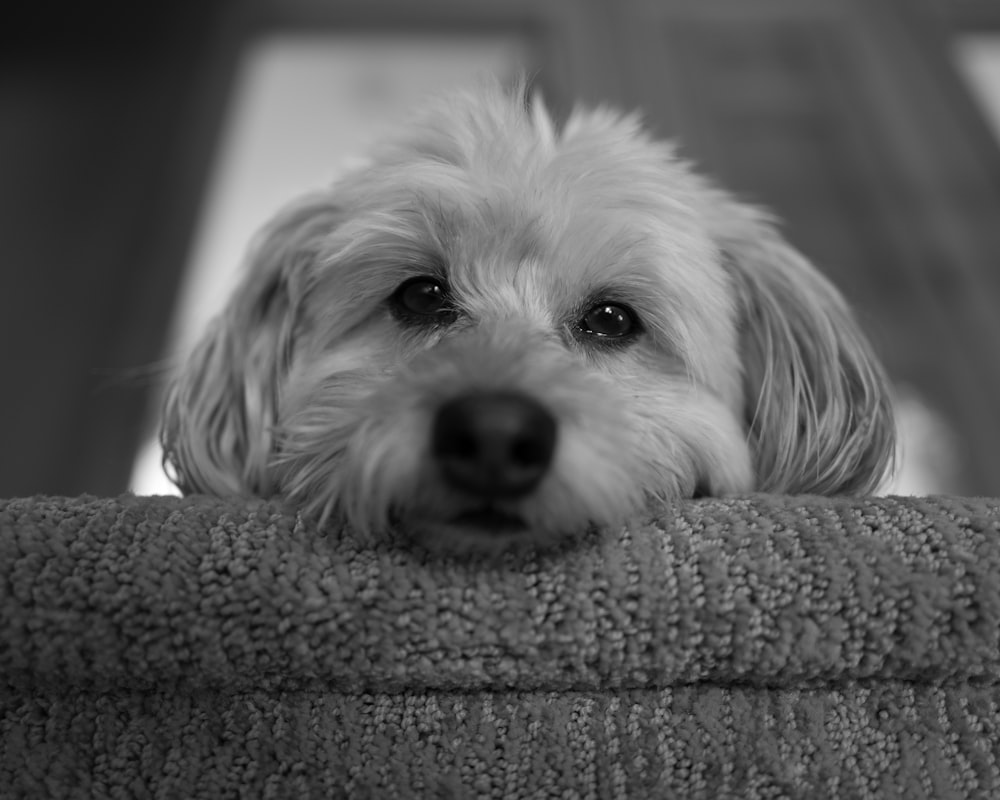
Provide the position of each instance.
(141, 145)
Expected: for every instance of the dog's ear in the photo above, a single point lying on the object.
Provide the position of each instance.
(220, 410)
(817, 400)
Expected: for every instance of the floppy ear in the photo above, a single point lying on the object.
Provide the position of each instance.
(817, 400)
(220, 410)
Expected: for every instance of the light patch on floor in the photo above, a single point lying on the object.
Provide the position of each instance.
(927, 453)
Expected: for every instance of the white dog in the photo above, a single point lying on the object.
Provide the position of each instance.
(499, 332)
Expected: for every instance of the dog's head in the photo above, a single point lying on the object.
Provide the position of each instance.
(498, 331)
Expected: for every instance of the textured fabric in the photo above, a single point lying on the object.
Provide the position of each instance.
(758, 647)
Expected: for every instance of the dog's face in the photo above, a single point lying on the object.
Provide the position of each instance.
(496, 333)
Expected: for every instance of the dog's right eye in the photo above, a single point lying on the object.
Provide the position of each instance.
(423, 297)
(609, 321)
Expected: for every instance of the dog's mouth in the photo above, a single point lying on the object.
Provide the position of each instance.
(488, 519)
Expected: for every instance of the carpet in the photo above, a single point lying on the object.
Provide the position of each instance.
(751, 647)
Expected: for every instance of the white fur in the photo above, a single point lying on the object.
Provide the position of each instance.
(749, 374)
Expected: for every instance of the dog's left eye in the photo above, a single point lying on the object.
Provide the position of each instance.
(423, 297)
(609, 321)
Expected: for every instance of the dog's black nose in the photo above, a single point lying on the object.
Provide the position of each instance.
(494, 444)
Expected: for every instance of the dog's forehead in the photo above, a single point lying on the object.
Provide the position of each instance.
(492, 153)
(565, 229)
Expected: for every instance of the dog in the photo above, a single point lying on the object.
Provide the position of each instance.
(499, 331)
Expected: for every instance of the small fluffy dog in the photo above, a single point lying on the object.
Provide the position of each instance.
(501, 332)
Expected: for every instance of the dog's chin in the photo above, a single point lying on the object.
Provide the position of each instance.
(491, 521)
(484, 531)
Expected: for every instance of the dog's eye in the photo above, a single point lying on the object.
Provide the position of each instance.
(609, 321)
(423, 297)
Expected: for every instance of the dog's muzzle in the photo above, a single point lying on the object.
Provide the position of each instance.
(493, 445)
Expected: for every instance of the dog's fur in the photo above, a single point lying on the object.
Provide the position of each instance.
(744, 369)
